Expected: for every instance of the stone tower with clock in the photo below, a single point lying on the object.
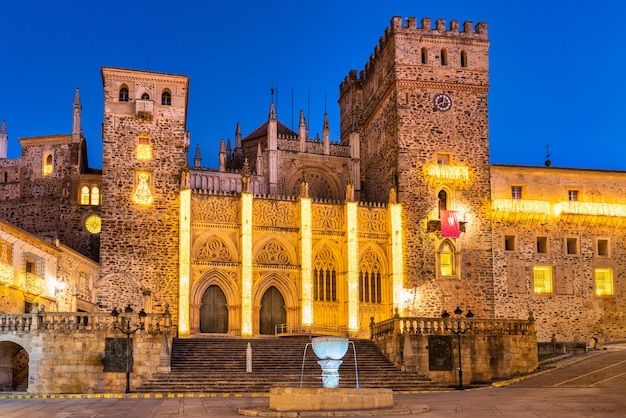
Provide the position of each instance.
(420, 106)
(145, 145)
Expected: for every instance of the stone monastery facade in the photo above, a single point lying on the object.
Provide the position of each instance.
(402, 214)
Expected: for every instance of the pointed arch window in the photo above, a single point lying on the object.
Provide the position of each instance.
(123, 97)
(370, 279)
(463, 58)
(47, 164)
(166, 98)
(324, 277)
(447, 259)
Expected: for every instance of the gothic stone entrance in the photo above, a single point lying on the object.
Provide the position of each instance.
(214, 311)
(273, 311)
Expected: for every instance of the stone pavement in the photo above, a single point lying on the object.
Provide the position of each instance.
(513, 399)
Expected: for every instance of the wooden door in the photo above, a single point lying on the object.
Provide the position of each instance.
(273, 311)
(214, 311)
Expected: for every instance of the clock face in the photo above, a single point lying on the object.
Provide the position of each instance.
(93, 224)
(443, 102)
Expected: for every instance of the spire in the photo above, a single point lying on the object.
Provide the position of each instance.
(76, 117)
(197, 159)
(238, 136)
(302, 132)
(222, 156)
(326, 135)
(4, 140)
(272, 115)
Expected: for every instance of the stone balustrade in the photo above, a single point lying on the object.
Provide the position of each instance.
(154, 323)
(443, 326)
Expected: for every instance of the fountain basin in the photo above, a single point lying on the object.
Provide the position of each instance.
(325, 399)
(329, 348)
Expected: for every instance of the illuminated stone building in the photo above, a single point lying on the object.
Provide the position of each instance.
(404, 213)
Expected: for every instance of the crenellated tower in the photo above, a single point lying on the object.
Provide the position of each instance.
(145, 144)
(420, 106)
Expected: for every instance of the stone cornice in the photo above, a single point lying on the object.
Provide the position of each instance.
(47, 139)
(144, 76)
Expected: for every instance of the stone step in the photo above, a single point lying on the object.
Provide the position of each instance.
(218, 364)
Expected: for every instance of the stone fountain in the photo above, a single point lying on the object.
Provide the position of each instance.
(330, 351)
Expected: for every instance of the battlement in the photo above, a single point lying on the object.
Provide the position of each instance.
(410, 27)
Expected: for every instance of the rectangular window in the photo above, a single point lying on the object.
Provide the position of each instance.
(542, 279)
(604, 282)
(509, 243)
(542, 245)
(572, 195)
(572, 246)
(602, 247)
(443, 159)
(516, 192)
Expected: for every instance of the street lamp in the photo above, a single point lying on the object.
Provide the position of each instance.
(458, 331)
(126, 329)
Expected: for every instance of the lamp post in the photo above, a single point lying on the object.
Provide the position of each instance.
(126, 329)
(458, 331)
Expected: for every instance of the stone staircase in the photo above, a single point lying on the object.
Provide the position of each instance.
(218, 364)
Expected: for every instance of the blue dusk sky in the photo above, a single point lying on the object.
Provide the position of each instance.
(557, 67)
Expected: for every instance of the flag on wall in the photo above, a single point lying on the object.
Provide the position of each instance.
(450, 224)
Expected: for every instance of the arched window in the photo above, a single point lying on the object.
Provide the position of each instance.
(463, 58)
(47, 164)
(84, 195)
(324, 277)
(166, 98)
(370, 279)
(444, 56)
(424, 55)
(145, 96)
(447, 259)
(124, 94)
(95, 196)
(442, 202)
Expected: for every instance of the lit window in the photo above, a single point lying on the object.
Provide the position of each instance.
(166, 98)
(47, 164)
(123, 94)
(572, 195)
(93, 224)
(145, 96)
(143, 189)
(516, 192)
(84, 195)
(144, 150)
(604, 282)
(446, 260)
(95, 196)
(542, 279)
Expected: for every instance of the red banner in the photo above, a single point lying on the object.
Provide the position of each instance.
(450, 224)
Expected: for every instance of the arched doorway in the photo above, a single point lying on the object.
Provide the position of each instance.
(214, 311)
(273, 311)
(13, 367)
